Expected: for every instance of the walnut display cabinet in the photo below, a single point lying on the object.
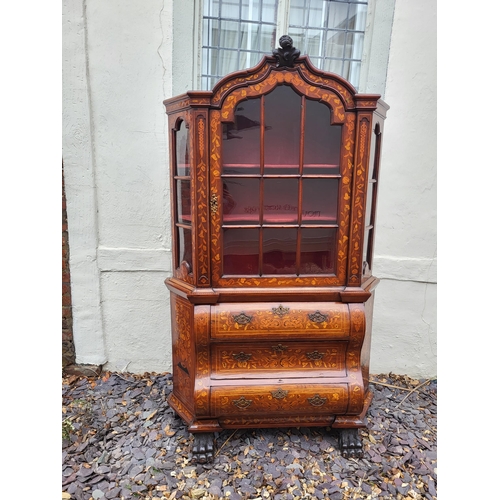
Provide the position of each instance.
(274, 190)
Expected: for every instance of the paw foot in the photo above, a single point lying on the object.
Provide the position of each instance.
(350, 443)
(203, 447)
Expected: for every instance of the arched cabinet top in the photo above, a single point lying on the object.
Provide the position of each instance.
(329, 88)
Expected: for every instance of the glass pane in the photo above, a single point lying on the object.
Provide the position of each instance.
(298, 36)
(351, 71)
(241, 251)
(250, 36)
(229, 34)
(317, 62)
(281, 201)
(317, 250)
(298, 14)
(366, 244)
(282, 128)
(269, 11)
(240, 201)
(227, 62)
(211, 8)
(241, 139)
(182, 154)
(230, 9)
(335, 44)
(313, 45)
(267, 39)
(249, 59)
(357, 49)
(184, 201)
(319, 201)
(349, 45)
(279, 247)
(357, 17)
(250, 10)
(185, 246)
(337, 15)
(317, 14)
(321, 140)
(373, 148)
(334, 66)
(369, 198)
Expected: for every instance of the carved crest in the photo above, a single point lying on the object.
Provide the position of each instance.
(286, 55)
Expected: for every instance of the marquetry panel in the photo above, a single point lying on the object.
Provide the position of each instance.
(288, 319)
(358, 199)
(256, 360)
(182, 348)
(283, 398)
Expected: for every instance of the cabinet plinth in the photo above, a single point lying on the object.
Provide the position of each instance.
(274, 188)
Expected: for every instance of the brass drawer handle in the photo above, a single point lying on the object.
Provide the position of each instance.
(279, 393)
(242, 356)
(318, 317)
(242, 319)
(242, 403)
(315, 355)
(316, 400)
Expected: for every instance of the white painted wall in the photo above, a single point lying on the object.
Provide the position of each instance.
(116, 72)
(120, 60)
(404, 326)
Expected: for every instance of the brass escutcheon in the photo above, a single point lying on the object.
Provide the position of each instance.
(242, 318)
(316, 400)
(280, 310)
(318, 317)
(242, 356)
(279, 393)
(315, 355)
(242, 403)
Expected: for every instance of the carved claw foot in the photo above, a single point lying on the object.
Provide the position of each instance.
(350, 443)
(203, 447)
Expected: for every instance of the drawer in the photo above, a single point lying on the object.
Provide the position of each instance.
(284, 399)
(275, 359)
(237, 321)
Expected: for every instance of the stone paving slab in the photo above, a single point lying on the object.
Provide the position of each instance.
(122, 441)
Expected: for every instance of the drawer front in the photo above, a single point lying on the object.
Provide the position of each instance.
(280, 399)
(288, 319)
(268, 359)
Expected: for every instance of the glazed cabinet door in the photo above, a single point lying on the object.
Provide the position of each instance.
(281, 176)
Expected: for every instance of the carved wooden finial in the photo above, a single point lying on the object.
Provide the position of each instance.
(286, 55)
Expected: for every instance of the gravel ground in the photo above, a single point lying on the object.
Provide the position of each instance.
(121, 440)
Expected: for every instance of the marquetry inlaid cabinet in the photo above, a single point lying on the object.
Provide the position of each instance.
(274, 190)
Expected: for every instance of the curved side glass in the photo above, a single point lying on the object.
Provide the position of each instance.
(182, 179)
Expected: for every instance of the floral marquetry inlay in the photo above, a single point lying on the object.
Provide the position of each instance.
(270, 399)
(283, 338)
(260, 359)
(283, 318)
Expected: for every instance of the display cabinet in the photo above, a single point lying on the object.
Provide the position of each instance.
(274, 189)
